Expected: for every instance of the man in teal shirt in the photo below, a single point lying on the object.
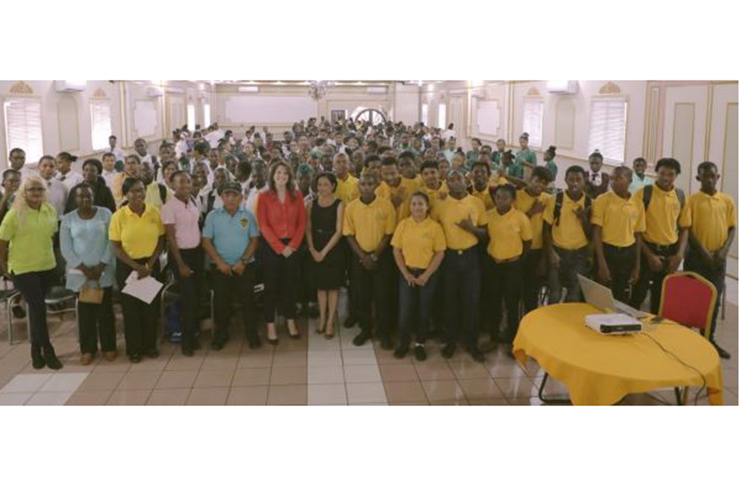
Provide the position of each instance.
(639, 176)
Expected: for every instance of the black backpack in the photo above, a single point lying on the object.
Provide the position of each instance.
(649, 190)
(559, 205)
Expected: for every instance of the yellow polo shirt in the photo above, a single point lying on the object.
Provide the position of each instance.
(661, 216)
(506, 233)
(523, 202)
(433, 194)
(484, 196)
(497, 181)
(451, 211)
(347, 190)
(409, 186)
(138, 234)
(709, 218)
(369, 223)
(569, 233)
(619, 218)
(29, 238)
(153, 197)
(419, 242)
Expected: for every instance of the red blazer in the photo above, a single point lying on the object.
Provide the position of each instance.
(279, 221)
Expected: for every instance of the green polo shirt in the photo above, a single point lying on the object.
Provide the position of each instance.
(30, 237)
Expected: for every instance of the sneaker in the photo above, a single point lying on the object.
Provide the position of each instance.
(419, 352)
(361, 338)
(448, 350)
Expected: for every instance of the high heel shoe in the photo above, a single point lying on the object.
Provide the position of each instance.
(293, 336)
(273, 341)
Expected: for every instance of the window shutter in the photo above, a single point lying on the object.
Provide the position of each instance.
(23, 127)
(607, 128)
(532, 121)
(100, 117)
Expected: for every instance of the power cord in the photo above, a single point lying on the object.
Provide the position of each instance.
(704, 381)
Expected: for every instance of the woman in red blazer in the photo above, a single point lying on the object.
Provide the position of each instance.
(282, 218)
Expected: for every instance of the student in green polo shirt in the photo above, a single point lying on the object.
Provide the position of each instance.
(525, 156)
(27, 256)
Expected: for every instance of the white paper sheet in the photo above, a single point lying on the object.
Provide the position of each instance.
(145, 289)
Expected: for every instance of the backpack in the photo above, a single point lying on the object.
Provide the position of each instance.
(559, 205)
(649, 190)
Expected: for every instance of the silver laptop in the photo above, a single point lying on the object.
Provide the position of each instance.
(601, 297)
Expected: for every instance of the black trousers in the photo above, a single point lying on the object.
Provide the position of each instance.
(140, 318)
(97, 321)
(506, 285)
(33, 286)
(573, 263)
(190, 292)
(462, 284)
(717, 276)
(227, 290)
(532, 281)
(620, 262)
(281, 277)
(649, 279)
(373, 287)
(415, 307)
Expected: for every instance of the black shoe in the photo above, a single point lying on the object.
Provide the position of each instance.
(419, 352)
(51, 358)
(152, 353)
(218, 344)
(401, 351)
(721, 352)
(37, 360)
(361, 338)
(349, 322)
(187, 352)
(196, 344)
(19, 312)
(448, 350)
(254, 342)
(476, 354)
(386, 343)
(135, 358)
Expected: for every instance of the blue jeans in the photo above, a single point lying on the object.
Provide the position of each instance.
(415, 307)
(462, 288)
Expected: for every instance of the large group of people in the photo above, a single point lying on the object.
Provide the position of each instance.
(429, 239)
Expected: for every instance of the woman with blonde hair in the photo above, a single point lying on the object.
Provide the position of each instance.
(27, 256)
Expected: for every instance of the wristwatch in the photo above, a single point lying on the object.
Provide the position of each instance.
(244, 260)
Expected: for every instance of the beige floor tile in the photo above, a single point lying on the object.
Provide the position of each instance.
(136, 380)
(63, 382)
(352, 357)
(517, 387)
(262, 360)
(99, 397)
(387, 357)
(176, 379)
(167, 397)
(220, 362)
(185, 363)
(434, 371)
(26, 383)
(290, 359)
(488, 401)
(403, 392)
(129, 397)
(287, 395)
(452, 401)
(214, 378)
(443, 390)
(480, 389)
(358, 393)
(318, 375)
(208, 396)
(251, 377)
(288, 375)
(328, 394)
(121, 364)
(362, 374)
(424, 403)
(248, 395)
(101, 381)
(49, 398)
(148, 364)
(15, 398)
(504, 368)
(398, 372)
(324, 358)
(469, 371)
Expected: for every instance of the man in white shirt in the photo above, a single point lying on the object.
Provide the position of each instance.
(449, 133)
(17, 159)
(56, 191)
(117, 152)
(109, 168)
(65, 174)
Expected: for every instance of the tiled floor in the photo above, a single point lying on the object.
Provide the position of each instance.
(312, 370)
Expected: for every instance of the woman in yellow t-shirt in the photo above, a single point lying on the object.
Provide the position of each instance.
(138, 237)
(419, 247)
(27, 256)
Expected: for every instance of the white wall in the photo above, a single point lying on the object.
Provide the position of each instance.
(407, 107)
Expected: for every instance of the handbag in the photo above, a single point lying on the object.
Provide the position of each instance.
(91, 295)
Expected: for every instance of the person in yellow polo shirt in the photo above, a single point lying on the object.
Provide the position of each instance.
(27, 257)
(664, 242)
(434, 188)
(369, 223)
(419, 247)
(408, 168)
(566, 232)
(532, 201)
(138, 237)
(617, 224)
(347, 186)
(711, 218)
(510, 236)
(462, 217)
(395, 188)
(481, 184)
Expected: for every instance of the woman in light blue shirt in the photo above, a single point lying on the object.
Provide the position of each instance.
(90, 262)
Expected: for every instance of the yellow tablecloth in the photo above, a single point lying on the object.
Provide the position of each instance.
(601, 370)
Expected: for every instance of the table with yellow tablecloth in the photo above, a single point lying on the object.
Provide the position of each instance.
(601, 370)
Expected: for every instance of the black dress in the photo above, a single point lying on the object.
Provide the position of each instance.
(328, 274)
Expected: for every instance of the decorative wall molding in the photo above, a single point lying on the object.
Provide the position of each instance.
(533, 92)
(610, 88)
(21, 88)
(100, 94)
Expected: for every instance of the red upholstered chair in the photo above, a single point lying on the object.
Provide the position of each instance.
(688, 299)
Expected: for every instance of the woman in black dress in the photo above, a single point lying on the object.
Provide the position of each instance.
(323, 233)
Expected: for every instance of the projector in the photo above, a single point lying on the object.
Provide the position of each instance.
(613, 324)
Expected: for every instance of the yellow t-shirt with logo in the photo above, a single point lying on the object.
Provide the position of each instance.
(450, 211)
(568, 234)
(369, 223)
(523, 202)
(347, 190)
(419, 242)
(709, 218)
(407, 187)
(662, 215)
(620, 219)
(506, 233)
